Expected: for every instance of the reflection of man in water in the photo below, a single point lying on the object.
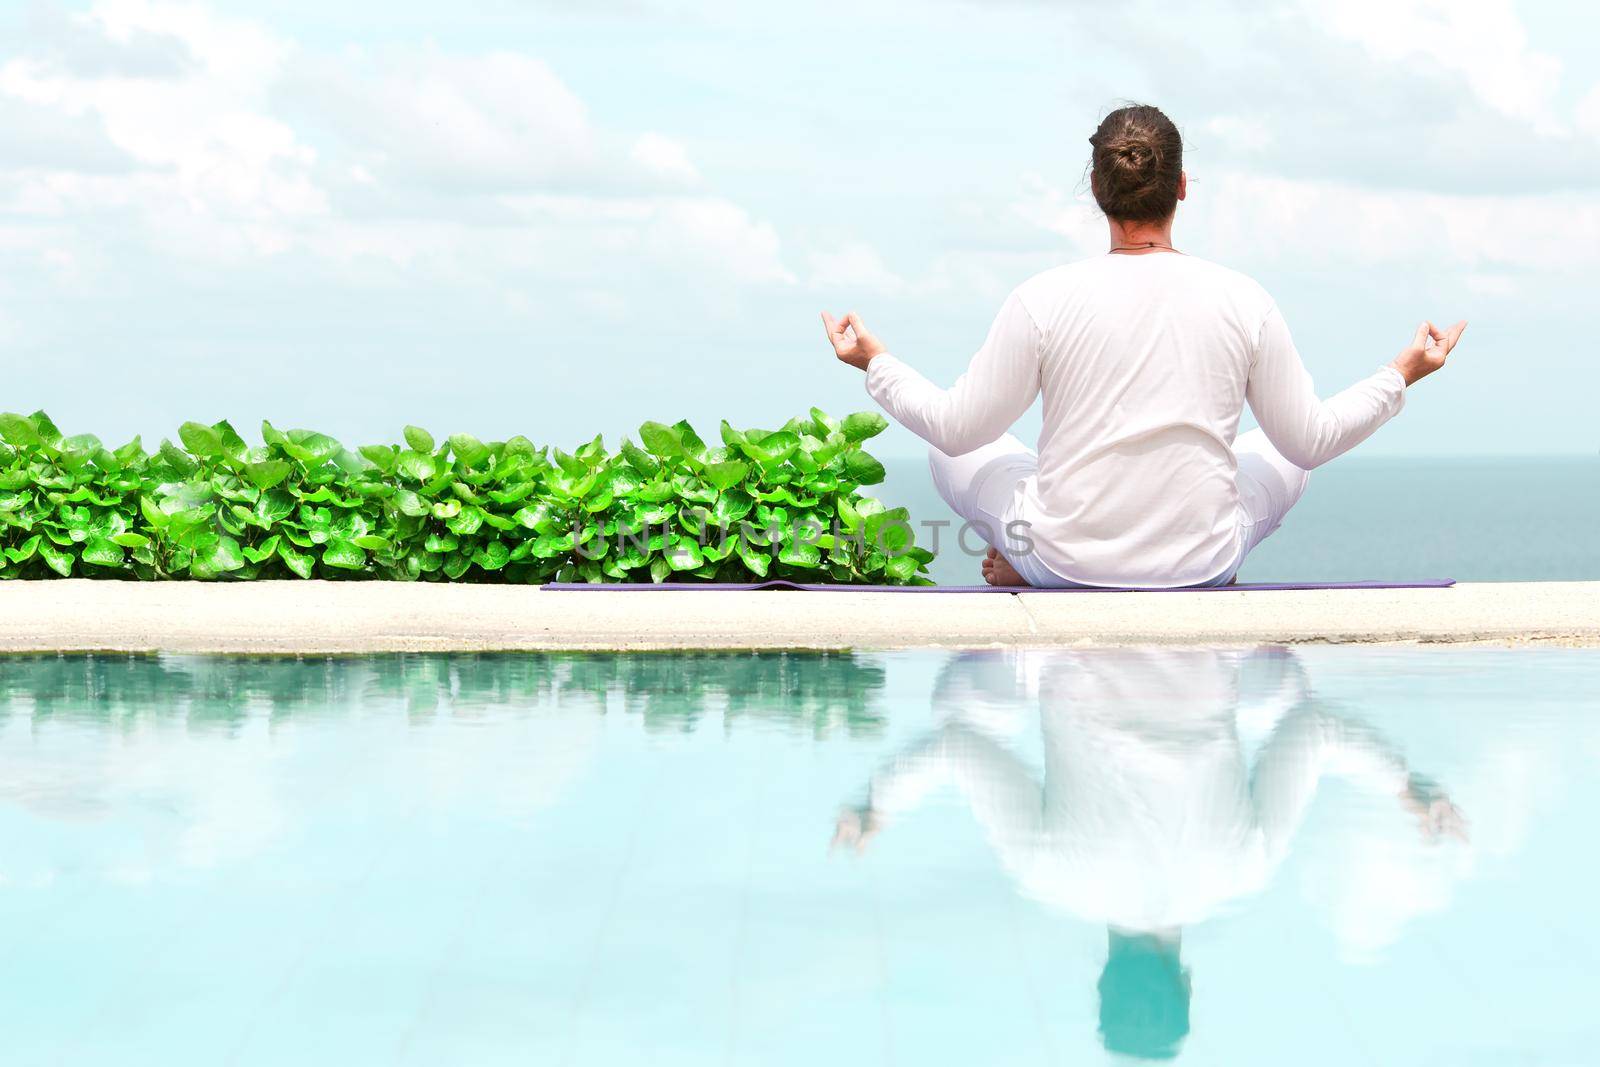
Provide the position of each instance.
(1148, 818)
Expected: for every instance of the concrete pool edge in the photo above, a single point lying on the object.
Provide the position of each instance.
(316, 618)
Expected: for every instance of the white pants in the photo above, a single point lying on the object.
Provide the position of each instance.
(980, 486)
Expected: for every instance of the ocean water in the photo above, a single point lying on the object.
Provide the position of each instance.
(1478, 520)
(1329, 856)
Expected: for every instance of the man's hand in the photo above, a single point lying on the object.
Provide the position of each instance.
(1427, 351)
(1436, 816)
(854, 829)
(851, 341)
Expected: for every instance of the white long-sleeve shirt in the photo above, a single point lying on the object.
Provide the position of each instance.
(1145, 363)
(1147, 816)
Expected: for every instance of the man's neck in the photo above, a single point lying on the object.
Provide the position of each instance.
(1140, 236)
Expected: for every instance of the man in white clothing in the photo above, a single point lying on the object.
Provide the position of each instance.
(1145, 358)
(1148, 817)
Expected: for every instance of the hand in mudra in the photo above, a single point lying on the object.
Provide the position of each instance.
(1427, 351)
(852, 342)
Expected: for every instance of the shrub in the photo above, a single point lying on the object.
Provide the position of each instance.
(763, 504)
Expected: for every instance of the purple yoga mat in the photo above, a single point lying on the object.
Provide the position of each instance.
(784, 584)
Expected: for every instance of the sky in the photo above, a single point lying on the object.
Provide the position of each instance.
(509, 217)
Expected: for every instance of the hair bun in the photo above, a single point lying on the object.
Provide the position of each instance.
(1135, 155)
(1138, 157)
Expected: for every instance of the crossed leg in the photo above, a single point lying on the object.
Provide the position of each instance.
(981, 487)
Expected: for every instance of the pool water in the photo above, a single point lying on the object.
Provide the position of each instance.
(1319, 856)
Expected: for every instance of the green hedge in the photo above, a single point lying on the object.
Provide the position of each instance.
(764, 504)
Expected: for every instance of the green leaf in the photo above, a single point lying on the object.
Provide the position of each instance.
(661, 440)
(130, 452)
(823, 422)
(863, 424)
(153, 514)
(466, 523)
(232, 444)
(310, 447)
(267, 473)
(216, 554)
(200, 439)
(262, 552)
(724, 475)
(83, 442)
(863, 469)
(418, 466)
(344, 555)
(129, 539)
(468, 449)
(418, 439)
(370, 542)
(800, 554)
(848, 517)
(903, 568)
(894, 537)
(18, 430)
(731, 506)
(757, 561)
(770, 451)
(438, 542)
(46, 429)
(683, 554)
(300, 563)
(639, 459)
(409, 503)
(272, 506)
(180, 461)
(541, 517)
(492, 556)
(24, 551)
(688, 438)
(101, 552)
(547, 546)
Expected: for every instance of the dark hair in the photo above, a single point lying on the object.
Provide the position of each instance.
(1138, 156)
(1144, 998)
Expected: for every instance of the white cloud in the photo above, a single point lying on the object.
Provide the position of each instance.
(665, 157)
(1418, 94)
(858, 268)
(487, 123)
(1483, 42)
(211, 169)
(1240, 132)
(395, 168)
(1588, 113)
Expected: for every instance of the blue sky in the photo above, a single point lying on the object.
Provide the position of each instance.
(501, 217)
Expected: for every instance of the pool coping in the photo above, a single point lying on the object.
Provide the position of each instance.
(316, 618)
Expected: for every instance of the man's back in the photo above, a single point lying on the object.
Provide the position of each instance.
(1143, 365)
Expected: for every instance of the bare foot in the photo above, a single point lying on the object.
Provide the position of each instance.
(997, 570)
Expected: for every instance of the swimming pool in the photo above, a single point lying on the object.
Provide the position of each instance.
(1318, 856)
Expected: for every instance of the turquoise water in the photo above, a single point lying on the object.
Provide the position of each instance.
(1475, 520)
(1329, 856)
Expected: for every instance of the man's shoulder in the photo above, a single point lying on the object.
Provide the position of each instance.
(1239, 285)
(1064, 282)
(1049, 286)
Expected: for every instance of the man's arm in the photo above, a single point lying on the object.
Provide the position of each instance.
(1000, 383)
(1310, 431)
